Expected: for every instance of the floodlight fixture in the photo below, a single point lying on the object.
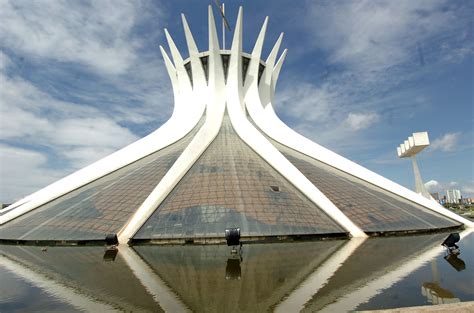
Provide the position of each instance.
(450, 243)
(111, 240)
(232, 236)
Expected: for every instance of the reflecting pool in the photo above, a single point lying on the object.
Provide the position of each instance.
(328, 276)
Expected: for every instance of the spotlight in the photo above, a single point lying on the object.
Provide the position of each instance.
(111, 240)
(111, 250)
(450, 243)
(232, 236)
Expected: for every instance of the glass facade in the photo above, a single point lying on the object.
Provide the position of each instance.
(100, 207)
(371, 208)
(231, 186)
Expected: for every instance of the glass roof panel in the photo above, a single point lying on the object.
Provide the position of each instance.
(100, 207)
(231, 186)
(370, 207)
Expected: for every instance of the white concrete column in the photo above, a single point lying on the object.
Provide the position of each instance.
(215, 98)
(419, 186)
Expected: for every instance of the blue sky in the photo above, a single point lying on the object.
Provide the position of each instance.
(81, 79)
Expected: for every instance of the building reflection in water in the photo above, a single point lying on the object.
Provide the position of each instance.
(433, 292)
(334, 275)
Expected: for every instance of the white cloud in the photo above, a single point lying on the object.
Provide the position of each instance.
(466, 187)
(306, 102)
(326, 115)
(94, 33)
(121, 82)
(447, 142)
(82, 156)
(22, 172)
(77, 134)
(358, 121)
(93, 131)
(4, 61)
(467, 190)
(23, 107)
(378, 34)
(372, 48)
(432, 186)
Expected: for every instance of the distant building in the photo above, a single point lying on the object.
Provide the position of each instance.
(453, 196)
(467, 200)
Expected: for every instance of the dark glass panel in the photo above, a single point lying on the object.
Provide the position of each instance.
(189, 70)
(204, 62)
(225, 64)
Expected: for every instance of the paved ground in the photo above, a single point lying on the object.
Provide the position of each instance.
(461, 307)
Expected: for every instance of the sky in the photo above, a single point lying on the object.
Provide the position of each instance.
(82, 79)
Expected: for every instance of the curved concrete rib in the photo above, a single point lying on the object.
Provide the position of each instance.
(251, 136)
(196, 65)
(271, 125)
(184, 84)
(276, 73)
(255, 59)
(186, 114)
(204, 137)
(265, 86)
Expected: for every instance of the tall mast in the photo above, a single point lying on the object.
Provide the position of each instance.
(223, 27)
(225, 23)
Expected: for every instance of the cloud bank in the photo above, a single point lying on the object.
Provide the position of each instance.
(76, 79)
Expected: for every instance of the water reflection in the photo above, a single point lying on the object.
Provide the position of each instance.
(267, 273)
(233, 269)
(433, 291)
(456, 262)
(110, 255)
(330, 276)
